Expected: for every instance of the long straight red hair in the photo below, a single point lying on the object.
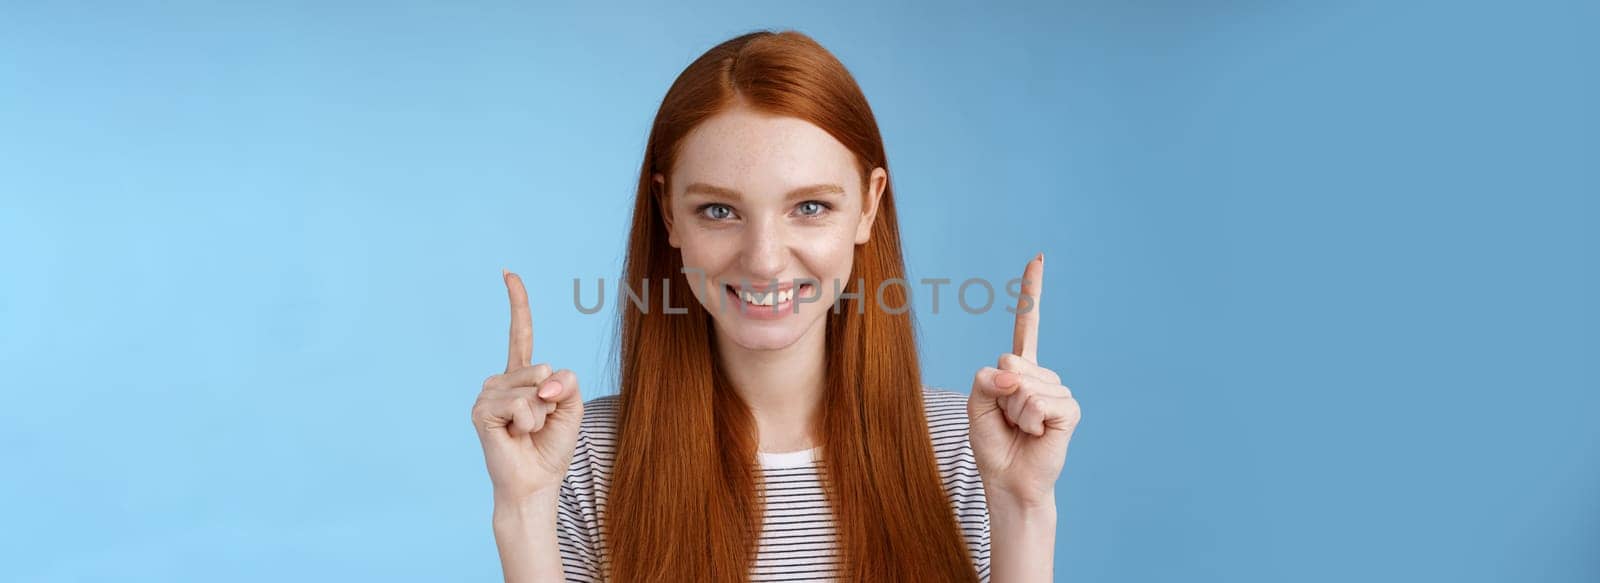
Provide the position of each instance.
(682, 502)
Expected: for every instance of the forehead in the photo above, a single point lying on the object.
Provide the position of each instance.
(758, 153)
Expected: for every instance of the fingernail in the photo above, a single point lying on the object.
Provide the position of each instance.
(1005, 380)
(550, 389)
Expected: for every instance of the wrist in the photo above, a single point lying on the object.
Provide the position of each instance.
(1011, 505)
(1023, 531)
(512, 512)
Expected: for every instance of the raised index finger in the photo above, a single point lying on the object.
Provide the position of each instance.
(521, 351)
(1025, 335)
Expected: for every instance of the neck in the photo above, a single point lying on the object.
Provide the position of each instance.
(782, 387)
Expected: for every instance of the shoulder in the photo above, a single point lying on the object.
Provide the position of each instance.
(958, 470)
(946, 411)
(597, 443)
(583, 491)
(600, 414)
(943, 400)
(597, 432)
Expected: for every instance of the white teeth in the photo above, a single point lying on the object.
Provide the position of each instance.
(767, 298)
(757, 298)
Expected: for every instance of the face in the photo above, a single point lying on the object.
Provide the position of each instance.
(770, 209)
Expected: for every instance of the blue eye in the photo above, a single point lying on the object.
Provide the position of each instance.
(812, 208)
(716, 212)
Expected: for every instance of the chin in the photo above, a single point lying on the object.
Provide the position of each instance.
(761, 336)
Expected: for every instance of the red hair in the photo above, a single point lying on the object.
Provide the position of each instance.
(682, 502)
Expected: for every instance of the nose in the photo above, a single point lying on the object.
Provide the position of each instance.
(766, 250)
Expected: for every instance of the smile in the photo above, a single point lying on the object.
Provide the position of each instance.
(767, 303)
(767, 298)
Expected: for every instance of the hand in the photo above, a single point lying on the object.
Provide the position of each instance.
(1021, 416)
(527, 418)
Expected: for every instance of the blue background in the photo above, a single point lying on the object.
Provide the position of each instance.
(1322, 273)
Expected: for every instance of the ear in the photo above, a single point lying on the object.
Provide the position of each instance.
(658, 188)
(877, 182)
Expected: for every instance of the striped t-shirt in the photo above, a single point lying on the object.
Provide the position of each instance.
(797, 538)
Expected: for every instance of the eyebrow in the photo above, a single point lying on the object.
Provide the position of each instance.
(729, 193)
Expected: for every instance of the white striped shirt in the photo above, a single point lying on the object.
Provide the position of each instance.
(798, 542)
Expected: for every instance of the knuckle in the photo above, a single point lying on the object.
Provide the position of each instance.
(1009, 361)
(490, 383)
(485, 410)
(1033, 405)
(568, 378)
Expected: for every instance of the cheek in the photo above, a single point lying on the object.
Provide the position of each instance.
(707, 250)
(711, 255)
(829, 254)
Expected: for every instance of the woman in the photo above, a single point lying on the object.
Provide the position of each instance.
(776, 427)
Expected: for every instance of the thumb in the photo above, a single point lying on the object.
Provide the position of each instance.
(562, 390)
(991, 384)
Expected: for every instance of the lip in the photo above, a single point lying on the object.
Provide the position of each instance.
(760, 286)
(774, 312)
